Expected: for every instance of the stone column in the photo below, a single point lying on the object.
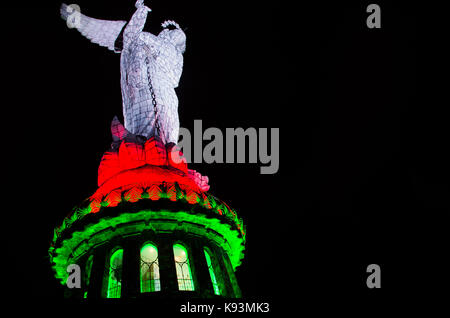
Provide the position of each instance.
(97, 273)
(131, 269)
(227, 273)
(202, 279)
(167, 271)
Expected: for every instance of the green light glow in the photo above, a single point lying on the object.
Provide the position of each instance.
(211, 272)
(160, 221)
(150, 281)
(183, 267)
(115, 275)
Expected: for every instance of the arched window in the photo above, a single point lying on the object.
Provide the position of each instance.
(211, 272)
(115, 275)
(183, 267)
(88, 273)
(149, 269)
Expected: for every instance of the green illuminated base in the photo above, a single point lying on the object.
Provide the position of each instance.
(124, 224)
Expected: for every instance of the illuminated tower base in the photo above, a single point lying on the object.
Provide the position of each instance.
(150, 230)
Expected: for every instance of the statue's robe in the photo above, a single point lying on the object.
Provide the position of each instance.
(150, 62)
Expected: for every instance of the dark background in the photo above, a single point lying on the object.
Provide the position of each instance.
(363, 175)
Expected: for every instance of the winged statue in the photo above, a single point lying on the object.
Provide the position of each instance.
(150, 69)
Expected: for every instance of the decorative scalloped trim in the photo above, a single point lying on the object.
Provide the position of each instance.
(154, 192)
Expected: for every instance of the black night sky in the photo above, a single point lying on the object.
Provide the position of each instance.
(360, 168)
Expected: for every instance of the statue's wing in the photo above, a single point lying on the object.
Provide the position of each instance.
(102, 32)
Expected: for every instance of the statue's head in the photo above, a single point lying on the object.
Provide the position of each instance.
(174, 34)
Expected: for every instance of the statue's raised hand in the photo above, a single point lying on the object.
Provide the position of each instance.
(140, 4)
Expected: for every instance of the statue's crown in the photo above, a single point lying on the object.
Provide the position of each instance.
(167, 23)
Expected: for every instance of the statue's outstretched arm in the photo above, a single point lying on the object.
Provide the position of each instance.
(136, 23)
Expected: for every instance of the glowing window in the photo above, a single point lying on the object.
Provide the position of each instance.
(211, 272)
(183, 267)
(149, 269)
(115, 274)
